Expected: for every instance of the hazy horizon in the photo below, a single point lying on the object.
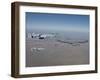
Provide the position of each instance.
(57, 22)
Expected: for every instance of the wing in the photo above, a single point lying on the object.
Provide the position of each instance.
(64, 41)
(73, 43)
(85, 41)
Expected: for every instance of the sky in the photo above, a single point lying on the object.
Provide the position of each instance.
(57, 22)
